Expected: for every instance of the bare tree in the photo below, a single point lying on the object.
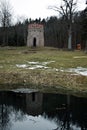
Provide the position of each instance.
(86, 24)
(67, 10)
(5, 17)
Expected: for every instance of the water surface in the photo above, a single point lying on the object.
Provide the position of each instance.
(42, 111)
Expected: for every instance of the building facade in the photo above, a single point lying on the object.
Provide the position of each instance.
(35, 36)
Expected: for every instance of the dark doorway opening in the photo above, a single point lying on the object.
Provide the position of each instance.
(34, 42)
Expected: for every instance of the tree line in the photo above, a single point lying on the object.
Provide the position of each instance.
(57, 30)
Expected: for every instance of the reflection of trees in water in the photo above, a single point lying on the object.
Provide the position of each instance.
(7, 110)
(7, 115)
(59, 109)
(4, 113)
(14, 106)
(4, 117)
(70, 113)
(66, 111)
(64, 122)
(18, 115)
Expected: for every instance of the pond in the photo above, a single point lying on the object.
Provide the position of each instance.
(32, 110)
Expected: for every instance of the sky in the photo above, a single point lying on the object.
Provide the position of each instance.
(38, 8)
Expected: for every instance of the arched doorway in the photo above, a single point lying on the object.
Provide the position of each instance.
(34, 42)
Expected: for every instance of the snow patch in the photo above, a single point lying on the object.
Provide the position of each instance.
(76, 71)
(76, 57)
(34, 65)
(38, 67)
(21, 66)
(43, 65)
(79, 70)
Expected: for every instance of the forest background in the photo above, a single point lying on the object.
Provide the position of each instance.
(55, 28)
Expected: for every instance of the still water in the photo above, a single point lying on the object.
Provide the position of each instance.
(30, 110)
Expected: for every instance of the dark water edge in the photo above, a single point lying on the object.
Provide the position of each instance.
(47, 89)
(26, 109)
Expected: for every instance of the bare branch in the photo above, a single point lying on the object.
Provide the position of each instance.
(67, 10)
(55, 8)
(5, 13)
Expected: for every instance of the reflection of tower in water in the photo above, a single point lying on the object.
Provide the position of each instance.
(34, 103)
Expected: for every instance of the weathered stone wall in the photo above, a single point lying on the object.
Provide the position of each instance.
(35, 35)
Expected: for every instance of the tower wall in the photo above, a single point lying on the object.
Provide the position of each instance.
(35, 35)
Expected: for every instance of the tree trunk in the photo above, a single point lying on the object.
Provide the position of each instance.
(4, 36)
(25, 36)
(69, 38)
(86, 47)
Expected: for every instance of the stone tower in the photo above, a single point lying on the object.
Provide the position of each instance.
(35, 35)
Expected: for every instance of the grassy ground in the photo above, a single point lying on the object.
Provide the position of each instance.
(45, 79)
